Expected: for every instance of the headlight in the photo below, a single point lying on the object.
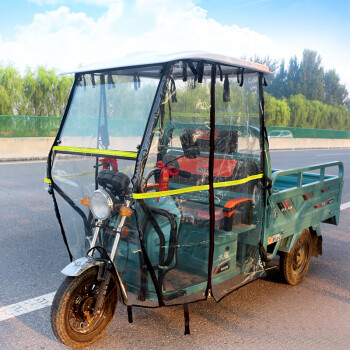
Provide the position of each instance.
(101, 204)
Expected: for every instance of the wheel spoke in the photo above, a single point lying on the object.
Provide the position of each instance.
(73, 319)
(295, 263)
(300, 261)
(80, 314)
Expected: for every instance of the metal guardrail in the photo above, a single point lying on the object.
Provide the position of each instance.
(42, 126)
(307, 133)
(28, 126)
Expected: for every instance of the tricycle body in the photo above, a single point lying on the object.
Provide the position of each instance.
(301, 199)
(159, 174)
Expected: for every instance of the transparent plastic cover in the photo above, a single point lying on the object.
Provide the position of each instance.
(166, 248)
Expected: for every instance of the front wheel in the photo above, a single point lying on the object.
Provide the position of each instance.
(72, 318)
(295, 264)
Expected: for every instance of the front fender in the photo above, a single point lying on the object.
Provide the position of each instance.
(77, 267)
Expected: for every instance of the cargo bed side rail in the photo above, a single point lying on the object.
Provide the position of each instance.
(300, 172)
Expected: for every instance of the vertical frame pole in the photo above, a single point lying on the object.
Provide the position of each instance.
(211, 176)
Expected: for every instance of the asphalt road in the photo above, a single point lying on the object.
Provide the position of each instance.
(266, 314)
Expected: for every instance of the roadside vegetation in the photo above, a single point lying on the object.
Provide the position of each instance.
(40, 92)
(300, 94)
(304, 94)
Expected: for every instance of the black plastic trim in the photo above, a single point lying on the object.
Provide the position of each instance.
(50, 160)
(87, 226)
(211, 175)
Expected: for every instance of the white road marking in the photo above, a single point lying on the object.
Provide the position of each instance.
(38, 303)
(26, 306)
(330, 154)
(345, 206)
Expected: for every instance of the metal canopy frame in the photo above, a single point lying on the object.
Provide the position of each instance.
(147, 59)
(227, 65)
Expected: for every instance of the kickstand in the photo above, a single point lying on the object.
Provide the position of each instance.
(129, 308)
(187, 319)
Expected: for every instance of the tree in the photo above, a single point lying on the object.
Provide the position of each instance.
(293, 77)
(277, 112)
(298, 110)
(40, 92)
(266, 61)
(334, 92)
(45, 92)
(311, 76)
(278, 85)
(4, 97)
(313, 119)
(269, 62)
(12, 100)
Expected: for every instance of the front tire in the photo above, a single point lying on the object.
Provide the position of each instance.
(295, 264)
(72, 316)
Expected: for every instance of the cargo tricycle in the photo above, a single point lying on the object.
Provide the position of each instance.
(163, 189)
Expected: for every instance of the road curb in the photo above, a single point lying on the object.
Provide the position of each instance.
(21, 159)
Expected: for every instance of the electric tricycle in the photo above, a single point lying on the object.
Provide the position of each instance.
(163, 189)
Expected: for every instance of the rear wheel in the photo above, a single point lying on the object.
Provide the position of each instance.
(72, 309)
(295, 264)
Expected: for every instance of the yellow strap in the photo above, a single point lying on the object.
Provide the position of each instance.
(93, 172)
(170, 192)
(105, 152)
(195, 188)
(47, 180)
(237, 182)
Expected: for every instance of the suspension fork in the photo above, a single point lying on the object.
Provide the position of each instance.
(106, 277)
(97, 230)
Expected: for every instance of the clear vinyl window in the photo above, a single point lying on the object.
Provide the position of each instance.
(110, 110)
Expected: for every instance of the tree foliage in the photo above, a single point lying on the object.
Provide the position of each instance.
(307, 78)
(297, 111)
(277, 112)
(278, 84)
(305, 95)
(39, 92)
(302, 94)
(335, 93)
(311, 76)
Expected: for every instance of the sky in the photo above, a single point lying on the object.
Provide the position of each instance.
(65, 34)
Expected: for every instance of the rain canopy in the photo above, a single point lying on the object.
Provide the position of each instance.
(185, 139)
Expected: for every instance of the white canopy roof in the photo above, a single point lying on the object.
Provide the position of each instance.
(137, 59)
